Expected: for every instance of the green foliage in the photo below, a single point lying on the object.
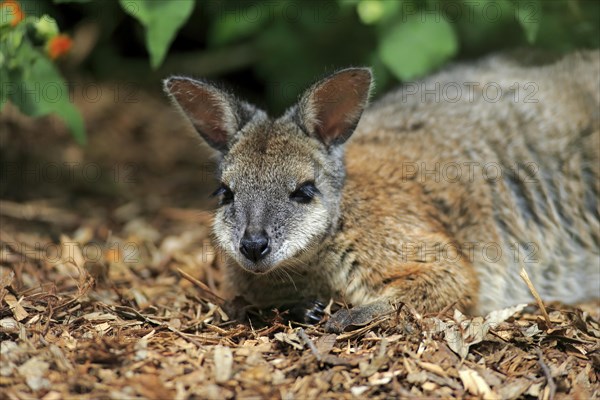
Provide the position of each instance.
(372, 12)
(401, 39)
(29, 79)
(272, 49)
(415, 46)
(161, 19)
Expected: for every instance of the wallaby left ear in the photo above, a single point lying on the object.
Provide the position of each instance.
(216, 114)
(331, 108)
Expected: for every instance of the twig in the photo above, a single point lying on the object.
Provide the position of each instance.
(547, 373)
(309, 343)
(206, 292)
(131, 313)
(535, 294)
(360, 331)
(184, 336)
(446, 309)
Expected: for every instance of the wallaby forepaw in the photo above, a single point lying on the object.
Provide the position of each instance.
(307, 312)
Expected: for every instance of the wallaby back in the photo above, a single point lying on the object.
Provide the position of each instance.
(510, 166)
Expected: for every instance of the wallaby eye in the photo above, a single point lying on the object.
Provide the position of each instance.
(225, 193)
(305, 193)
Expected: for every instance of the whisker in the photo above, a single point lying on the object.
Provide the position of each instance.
(290, 278)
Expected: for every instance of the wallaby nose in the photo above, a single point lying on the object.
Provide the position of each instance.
(255, 246)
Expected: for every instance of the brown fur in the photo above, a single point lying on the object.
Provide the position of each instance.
(385, 228)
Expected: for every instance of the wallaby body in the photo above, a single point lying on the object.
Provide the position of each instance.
(447, 189)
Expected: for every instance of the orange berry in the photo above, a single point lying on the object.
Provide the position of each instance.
(58, 46)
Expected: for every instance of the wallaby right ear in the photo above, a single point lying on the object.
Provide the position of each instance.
(331, 108)
(215, 114)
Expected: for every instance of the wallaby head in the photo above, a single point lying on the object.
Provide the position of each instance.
(281, 179)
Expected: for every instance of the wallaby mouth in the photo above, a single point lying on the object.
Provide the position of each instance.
(258, 257)
(256, 267)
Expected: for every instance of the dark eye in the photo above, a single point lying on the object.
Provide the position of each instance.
(305, 193)
(225, 193)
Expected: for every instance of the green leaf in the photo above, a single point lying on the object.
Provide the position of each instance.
(370, 11)
(161, 19)
(529, 14)
(373, 12)
(72, 117)
(53, 96)
(417, 45)
(37, 89)
(46, 28)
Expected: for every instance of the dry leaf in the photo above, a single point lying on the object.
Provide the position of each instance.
(223, 359)
(9, 325)
(17, 309)
(291, 339)
(475, 384)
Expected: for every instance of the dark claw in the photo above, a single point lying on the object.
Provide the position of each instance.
(313, 317)
(319, 306)
(308, 312)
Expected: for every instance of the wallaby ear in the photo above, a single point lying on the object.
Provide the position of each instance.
(332, 107)
(215, 114)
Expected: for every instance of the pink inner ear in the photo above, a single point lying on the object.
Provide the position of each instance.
(203, 108)
(339, 102)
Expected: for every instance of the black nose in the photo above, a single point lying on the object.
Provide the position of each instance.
(255, 246)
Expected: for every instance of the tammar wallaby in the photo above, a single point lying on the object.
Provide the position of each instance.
(436, 195)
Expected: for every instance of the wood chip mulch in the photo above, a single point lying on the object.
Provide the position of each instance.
(136, 313)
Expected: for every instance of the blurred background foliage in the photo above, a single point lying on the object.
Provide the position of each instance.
(268, 51)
